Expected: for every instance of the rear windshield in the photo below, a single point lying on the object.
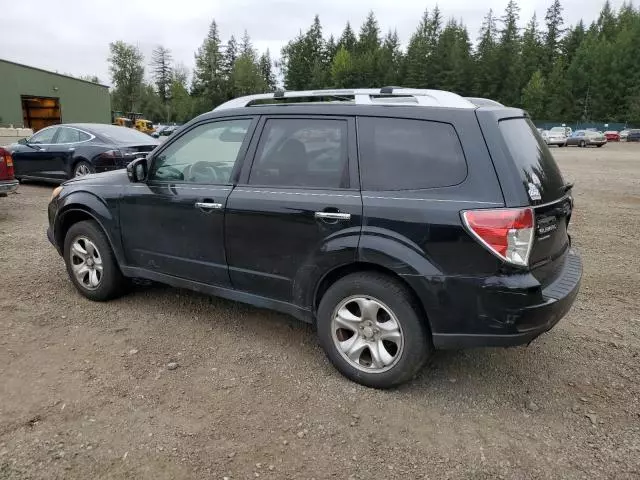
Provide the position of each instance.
(537, 168)
(123, 134)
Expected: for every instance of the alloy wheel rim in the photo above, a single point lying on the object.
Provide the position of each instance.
(86, 263)
(82, 170)
(367, 334)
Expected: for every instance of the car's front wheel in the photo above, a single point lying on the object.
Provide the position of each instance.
(372, 331)
(91, 263)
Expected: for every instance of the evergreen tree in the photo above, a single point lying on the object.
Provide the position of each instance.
(368, 52)
(534, 96)
(266, 70)
(486, 72)
(554, 22)
(416, 66)
(209, 75)
(390, 60)
(181, 101)
(508, 57)
(453, 56)
(531, 49)
(347, 39)
(342, 69)
(161, 71)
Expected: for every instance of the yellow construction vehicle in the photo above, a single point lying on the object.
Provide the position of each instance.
(133, 120)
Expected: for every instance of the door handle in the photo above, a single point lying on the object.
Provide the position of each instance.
(208, 205)
(332, 216)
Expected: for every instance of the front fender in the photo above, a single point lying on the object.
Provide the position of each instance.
(103, 212)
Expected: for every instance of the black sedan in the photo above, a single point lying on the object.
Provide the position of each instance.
(60, 152)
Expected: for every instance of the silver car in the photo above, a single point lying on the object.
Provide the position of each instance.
(587, 138)
(557, 136)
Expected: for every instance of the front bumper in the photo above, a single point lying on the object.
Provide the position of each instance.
(8, 186)
(517, 325)
(556, 141)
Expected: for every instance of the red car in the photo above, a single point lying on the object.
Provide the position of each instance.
(612, 136)
(8, 183)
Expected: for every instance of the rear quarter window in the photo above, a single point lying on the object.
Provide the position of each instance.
(403, 154)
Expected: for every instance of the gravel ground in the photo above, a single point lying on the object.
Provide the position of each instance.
(86, 389)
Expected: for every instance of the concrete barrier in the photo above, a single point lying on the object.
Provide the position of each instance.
(12, 135)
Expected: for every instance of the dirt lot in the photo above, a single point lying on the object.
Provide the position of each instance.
(85, 391)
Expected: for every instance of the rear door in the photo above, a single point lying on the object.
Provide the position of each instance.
(541, 186)
(297, 211)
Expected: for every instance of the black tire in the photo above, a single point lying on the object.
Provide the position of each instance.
(601, 145)
(394, 295)
(561, 145)
(112, 283)
(82, 166)
(582, 144)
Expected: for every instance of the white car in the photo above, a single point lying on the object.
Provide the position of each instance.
(623, 135)
(557, 136)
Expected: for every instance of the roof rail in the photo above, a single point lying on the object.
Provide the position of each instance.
(360, 96)
(484, 102)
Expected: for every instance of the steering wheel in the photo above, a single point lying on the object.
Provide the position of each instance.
(201, 172)
(167, 172)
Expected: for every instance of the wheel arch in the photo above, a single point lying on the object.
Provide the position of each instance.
(332, 276)
(75, 211)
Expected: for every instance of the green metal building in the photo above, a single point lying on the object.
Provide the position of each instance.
(35, 98)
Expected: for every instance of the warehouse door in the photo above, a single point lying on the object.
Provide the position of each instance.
(40, 112)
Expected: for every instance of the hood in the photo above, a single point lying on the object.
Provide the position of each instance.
(113, 177)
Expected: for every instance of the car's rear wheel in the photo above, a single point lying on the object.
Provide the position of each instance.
(582, 144)
(372, 331)
(82, 168)
(90, 262)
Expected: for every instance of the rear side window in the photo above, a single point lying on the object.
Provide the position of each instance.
(302, 152)
(535, 163)
(401, 154)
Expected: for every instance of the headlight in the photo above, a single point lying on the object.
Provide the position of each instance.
(55, 193)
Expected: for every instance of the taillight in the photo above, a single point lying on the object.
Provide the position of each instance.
(6, 163)
(507, 232)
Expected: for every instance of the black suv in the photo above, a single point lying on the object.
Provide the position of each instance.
(395, 220)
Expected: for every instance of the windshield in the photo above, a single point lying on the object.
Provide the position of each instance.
(122, 134)
(538, 170)
(558, 130)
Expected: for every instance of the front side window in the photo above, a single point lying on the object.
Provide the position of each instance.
(302, 153)
(205, 154)
(44, 136)
(402, 154)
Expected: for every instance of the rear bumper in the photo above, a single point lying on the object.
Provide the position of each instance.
(8, 186)
(556, 141)
(519, 325)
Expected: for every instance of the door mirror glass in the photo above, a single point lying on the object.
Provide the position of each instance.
(137, 170)
(22, 141)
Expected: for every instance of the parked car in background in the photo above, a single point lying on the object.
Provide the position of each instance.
(8, 182)
(60, 152)
(403, 241)
(165, 131)
(586, 138)
(623, 135)
(634, 135)
(557, 136)
(612, 136)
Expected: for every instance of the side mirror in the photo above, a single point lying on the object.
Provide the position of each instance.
(23, 141)
(137, 170)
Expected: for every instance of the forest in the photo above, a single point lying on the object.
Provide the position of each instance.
(559, 72)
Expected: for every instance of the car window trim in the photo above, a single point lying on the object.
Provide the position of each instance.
(239, 159)
(352, 152)
(91, 136)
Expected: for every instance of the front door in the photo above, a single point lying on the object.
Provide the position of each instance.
(297, 212)
(34, 157)
(173, 223)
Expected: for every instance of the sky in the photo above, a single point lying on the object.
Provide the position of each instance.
(73, 36)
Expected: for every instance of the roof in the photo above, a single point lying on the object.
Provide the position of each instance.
(53, 73)
(359, 96)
